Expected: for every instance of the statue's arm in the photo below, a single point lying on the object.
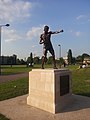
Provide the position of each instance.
(56, 32)
(41, 40)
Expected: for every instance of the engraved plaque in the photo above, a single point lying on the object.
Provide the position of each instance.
(64, 85)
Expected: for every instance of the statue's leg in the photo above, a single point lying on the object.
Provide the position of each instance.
(44, 57)
(54, 62)
(43, 62)
(51, 50)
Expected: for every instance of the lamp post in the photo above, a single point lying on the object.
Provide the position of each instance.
(59, 52)
(7, 25)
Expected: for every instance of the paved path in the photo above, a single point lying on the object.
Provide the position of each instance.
(17, 109)
(4, 78)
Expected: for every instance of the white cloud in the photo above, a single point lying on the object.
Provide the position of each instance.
(81, 16)
(11, 35)
(71, 31)
(13, 10)
(78, 33)
(34, 32)
(75, 33)
(33, 46)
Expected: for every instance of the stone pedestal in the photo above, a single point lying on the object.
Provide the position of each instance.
(49, 89)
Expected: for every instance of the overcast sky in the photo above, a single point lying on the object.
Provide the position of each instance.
(28, 17)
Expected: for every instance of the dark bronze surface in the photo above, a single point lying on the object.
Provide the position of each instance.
(64, 85)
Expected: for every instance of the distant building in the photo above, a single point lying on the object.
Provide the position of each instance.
(86, 60)
(8, 60)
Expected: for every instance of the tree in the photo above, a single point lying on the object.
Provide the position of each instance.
(79, 59)
(18, 62)
(30, 60)
(22, 62)
(69, 56)
(36, 60)
(61, 61)
(73, 60)
(50, 59)
(84, 55)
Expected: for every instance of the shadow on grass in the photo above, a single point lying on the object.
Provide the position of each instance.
(84, 94)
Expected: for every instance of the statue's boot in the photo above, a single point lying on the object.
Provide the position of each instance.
(43, 60)
(54, 62)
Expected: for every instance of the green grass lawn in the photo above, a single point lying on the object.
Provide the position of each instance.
(14, 88)
(7, 70)
(81, 82)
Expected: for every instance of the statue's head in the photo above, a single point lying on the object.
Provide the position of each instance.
(46, 28)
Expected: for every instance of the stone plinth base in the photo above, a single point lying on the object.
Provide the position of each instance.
(49, 89)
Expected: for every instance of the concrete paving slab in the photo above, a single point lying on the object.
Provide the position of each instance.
(17, 109)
